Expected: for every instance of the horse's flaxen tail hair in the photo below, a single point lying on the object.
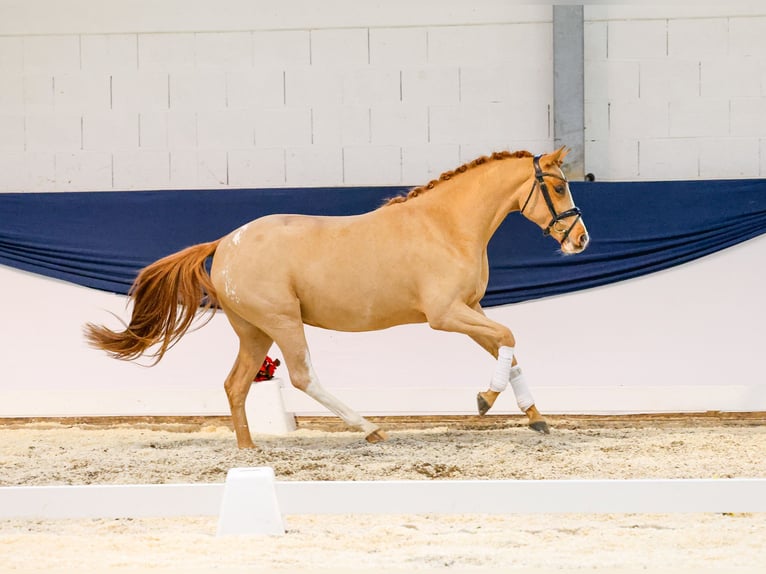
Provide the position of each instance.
(167, 295)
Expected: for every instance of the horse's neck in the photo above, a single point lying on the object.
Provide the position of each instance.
(477, 201)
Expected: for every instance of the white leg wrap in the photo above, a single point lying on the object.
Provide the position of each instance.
(502, 373)
(518, 383)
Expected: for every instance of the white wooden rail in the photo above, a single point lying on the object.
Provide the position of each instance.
(395, 497)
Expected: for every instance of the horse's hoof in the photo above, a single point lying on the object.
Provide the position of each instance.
(540, 426)
(483, 405)
(376, 436)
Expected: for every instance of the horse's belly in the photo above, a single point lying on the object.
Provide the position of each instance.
(357, 314)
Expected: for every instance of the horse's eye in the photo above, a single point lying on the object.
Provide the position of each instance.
(560, 189)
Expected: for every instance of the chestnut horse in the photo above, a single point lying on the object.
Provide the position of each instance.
(418, 258)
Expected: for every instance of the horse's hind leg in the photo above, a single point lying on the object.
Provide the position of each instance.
(292, 343)
(253, 346)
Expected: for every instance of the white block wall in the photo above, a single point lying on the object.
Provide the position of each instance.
(243, 93)
(675, 92)
(255, 93)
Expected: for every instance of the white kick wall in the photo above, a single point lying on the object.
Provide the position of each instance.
(195, 94)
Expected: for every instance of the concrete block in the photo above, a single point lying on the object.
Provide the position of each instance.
(110, 131)
(109, 52)
(504, 122)
(84, 171)
(762, 169)
(612, 159)
(697, 39)
(495, 43)
(669, 79)
(11, 132)
(257, 167)
(422, 163)
(594, 40)
(212, 168)
(12, 94)
(140, 90)
(255, 88)
(27, 171)
(312, 166)
(518, 81)
(14, 175)
(399, 47)
(372, 165)
(282, 127)
(596, 119)
(637, 39)
(223, 50)
(198, 90)
(166, 52)
(698, 118)
(729, 158)
(366, 86)
(153, 130)
(141, 169)
(668, 158)
(183, 169)
(612, 80)
(431, 85)
(182, 130)
(51, 54)
(341, 125)
(747, 37)
(229, 129)
(80, 92)
(311, 87)
(38, 93)
(53, 132)
(458, 124)
(11, 55)
(281, 48)
(638, 118)
(399, 124)
(748, 117)
(731, 78)
(334, 48)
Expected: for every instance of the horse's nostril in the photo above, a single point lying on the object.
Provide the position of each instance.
(584, 239)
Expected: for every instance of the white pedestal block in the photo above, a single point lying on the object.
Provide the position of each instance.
(266, 410)
(250, 503)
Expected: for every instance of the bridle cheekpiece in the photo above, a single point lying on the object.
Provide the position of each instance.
(556, 217)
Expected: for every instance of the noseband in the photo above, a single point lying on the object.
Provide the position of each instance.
(556, 217)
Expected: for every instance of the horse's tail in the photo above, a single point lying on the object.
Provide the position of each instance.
(166, 298)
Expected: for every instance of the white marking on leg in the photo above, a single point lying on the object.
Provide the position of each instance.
(502, 373)
(317, 392)
(519, 385)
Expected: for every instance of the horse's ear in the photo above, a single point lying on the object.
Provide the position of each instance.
(556, 157)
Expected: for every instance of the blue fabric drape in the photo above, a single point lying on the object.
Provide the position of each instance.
(102, 239)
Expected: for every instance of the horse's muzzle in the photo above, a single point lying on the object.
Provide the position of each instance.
(576, 242)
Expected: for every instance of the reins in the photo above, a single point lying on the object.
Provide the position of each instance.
(556, 217)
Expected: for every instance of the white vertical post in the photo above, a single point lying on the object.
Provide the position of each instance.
(250, 503)
(265, 409)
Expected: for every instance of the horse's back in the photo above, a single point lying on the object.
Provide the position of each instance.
(335, 269)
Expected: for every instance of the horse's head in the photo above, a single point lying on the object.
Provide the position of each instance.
(549, 204)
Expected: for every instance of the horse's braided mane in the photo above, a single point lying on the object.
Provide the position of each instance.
(414, 192)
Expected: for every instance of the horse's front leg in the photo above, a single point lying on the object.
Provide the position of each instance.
(498, 340)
